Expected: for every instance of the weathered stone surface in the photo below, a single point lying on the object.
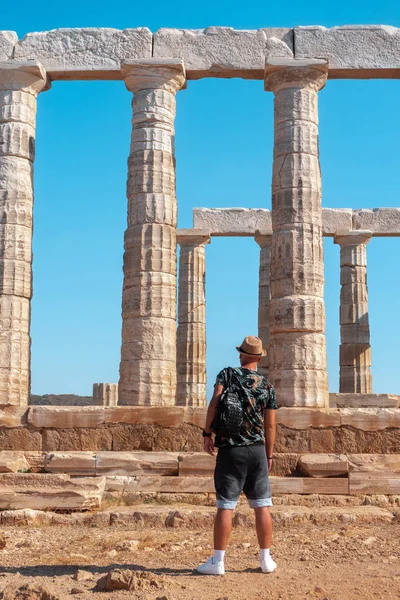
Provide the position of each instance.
(136, 463)
(148, 353)
(105, 394)
(232, 221)
(381, 221)
(8, 39)
(370, 419)
(71, 463)
(87, 53)
(191, 333)
(12, 461)
(364, 401)
(264, 296)
(301, 485)
(20, 438)
(66, 417)
(223, 51)
(301, 418)
(13, 416)
(291, 440)
(322, 440)
(47, 492)
(140, 415)
(336, 219)
(29, 591)
(196, 463)
(374, 482)
(388, 463)
(323, 465)
(173, 484)
(363, 50)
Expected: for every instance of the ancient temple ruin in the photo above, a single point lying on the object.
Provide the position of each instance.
(159, 350)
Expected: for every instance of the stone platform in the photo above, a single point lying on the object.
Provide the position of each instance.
(176, 429)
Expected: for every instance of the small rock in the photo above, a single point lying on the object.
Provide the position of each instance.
(244, 545)
(369, 541)
(77, 590)
(112, 553)
(3, 541)
(30, 591)
(81, 575)
(127, 545)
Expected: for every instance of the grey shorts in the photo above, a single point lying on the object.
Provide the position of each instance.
(242, 469)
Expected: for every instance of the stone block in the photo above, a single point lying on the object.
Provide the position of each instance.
(381, 221)
(223, 51)
(325, 485)
(195, 416)
(165, 416)
(370, 419)
(374, 482)
(336, 219)
(20, 438)
(173, 484)
(199, 464)
(302, 418)
(12, 461)
(322, 440)
(323, 465)
(50, 492)
(86, 439)
(352, 50)
(286, 485)
(66, 417)
(71, 463)
(13, 416)
(105, 394)
(8, 39)
(291, 440)
(136, 463)
(364, 400)
(232, 221)
(87, 53)
(284, 465)
(126, 437)
(387, 463)
(348, 439)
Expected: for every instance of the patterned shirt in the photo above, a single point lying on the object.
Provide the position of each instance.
(258, 396)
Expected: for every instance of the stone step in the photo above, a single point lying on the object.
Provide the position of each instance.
(144, 516)
(323, 465)
(374, 482)
(50, 492)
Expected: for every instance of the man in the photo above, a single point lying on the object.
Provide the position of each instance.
(243, 462)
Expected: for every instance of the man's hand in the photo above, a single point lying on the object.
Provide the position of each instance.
(208, 445)
(269, 460)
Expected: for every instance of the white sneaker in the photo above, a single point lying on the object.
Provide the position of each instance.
(268, 565)
(211, 568)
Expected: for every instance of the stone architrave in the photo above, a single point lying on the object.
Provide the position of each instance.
(105, 394)
(297, 313)
(355, 349)
(191, 334)
(148, 354)
(264, 241)
(20, 83)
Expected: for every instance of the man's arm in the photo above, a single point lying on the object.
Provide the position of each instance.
(270, 432)
(212, 408)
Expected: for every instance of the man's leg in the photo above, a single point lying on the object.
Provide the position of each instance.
(263, 526)
(222, 528)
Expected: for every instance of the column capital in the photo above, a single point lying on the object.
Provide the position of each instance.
(141, 74)
(283, 73)
(263, 238)
(192, 237)
(352, 238)
(23, 76)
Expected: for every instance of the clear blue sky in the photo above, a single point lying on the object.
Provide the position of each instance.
(224, 136)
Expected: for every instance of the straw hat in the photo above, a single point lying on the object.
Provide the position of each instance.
(252, 346)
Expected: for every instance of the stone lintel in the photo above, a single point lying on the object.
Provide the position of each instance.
(352, 238)
(153, 73)
(192, 237)
(23, 75)
(263, 238)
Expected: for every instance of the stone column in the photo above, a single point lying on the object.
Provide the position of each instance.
(20, 83)
(191, 335)
(105, 394)
(264, 296)
(297, 312)
(148, 354)
(355, 349)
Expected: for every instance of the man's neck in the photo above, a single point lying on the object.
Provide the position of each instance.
(251, 366)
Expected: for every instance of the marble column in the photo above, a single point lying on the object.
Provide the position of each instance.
(20, 83)
(105, 394)
(264, 296)
(297, 313)
(191, 335)
(148, 354)
(355, 349)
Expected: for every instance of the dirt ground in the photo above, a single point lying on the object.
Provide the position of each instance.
(342, 562)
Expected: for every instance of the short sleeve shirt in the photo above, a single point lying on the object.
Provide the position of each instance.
(258, 396)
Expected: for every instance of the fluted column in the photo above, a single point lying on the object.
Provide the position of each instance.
(20, 84)
(148, 354)
(264, 295)
(297, 313)
(191, 335)
(355, 349)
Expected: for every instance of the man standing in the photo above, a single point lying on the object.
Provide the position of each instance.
(243, 461)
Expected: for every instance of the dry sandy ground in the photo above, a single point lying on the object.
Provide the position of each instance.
(331, 562)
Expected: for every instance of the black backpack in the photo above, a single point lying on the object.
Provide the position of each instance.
(229, 416)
